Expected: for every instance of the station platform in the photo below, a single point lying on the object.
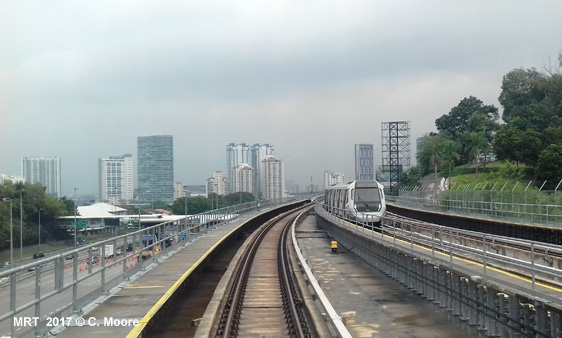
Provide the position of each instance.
(117, 314)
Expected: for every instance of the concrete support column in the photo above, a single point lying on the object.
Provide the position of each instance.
(425, 280)
(555, 324)
(443, 288)
(482, 302)
(503, 309)
(465, 309)
(526, 314)
(473, 301)
(491, 311)
(541, 319)
(457, 293)
(514, 315)
(435, 283)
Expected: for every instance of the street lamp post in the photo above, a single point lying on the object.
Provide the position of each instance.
(75, 225)
(21, 226)
(39, 250)
(9, 200)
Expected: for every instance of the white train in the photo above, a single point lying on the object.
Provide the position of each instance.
(360, 200)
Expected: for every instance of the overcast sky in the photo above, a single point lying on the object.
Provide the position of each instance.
(82, 79)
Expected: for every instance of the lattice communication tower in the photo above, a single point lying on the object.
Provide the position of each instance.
(395, 149)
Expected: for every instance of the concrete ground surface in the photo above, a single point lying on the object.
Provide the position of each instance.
(372, 304)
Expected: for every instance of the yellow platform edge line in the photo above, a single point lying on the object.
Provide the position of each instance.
(525, 279)
(137, 330)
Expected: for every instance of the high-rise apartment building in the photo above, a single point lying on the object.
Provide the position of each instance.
(243, 178)
(364, 165)
(116, 178)
(273, 178)
(156, 168)
(216, 184)
(180, 190)
(331, 178)
(46, 170)
(258, 153)
(235, 154)
(252, 155)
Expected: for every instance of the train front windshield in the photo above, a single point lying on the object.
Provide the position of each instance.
(367, 199)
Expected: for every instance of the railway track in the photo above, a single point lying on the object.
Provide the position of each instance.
(263, 299)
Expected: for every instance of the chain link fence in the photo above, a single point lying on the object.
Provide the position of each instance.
(536, 202)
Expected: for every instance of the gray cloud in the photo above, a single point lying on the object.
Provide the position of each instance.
(82, 80)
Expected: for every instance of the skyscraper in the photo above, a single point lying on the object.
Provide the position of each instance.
(364, 166)
(116, 178)
(156, 168)
(273, 178)
(46, 170)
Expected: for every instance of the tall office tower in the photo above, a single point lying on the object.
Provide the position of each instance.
(156, 168)
(395, 149)
(258, 153)
(243, 178)
(46, 170)
(331, 178)
(216, 184)
(116, 178)
(235, 154)
(364, 166)
(273, 178)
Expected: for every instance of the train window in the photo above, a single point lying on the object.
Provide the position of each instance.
(352, 193)
(367, 199)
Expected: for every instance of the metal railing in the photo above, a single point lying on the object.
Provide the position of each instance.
(533, 259)
(63, 283)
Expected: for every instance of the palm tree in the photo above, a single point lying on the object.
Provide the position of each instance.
(449, 150)
(477, 144)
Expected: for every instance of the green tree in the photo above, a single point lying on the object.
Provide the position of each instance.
(411, 176)
(507, 144)
(471, 114)
(530, 147)
(532, 100)
(550, 163)
(551, 136)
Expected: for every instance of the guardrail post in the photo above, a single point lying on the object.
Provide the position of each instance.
(13, 279)
(75, 307)
(37, 298)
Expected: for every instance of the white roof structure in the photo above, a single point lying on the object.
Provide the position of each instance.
(100, 210)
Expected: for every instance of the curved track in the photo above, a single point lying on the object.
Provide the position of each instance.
(263, 300)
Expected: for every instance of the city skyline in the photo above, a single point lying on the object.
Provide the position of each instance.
(311, 78)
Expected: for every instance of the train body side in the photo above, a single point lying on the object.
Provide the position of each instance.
(363, 201)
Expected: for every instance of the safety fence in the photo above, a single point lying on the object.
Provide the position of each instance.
(516, 201)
